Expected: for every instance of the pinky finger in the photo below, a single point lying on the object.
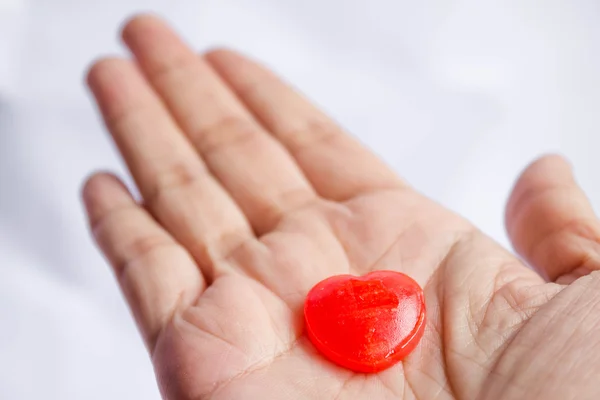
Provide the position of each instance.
(157, 276)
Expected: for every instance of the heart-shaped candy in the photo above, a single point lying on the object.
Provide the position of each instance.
(365, 324)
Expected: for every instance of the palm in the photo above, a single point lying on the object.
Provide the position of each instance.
(254, 347)
(217, 264)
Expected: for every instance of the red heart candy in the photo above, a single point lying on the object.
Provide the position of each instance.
(366, 324)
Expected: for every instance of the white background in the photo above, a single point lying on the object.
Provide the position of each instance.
(457, 95)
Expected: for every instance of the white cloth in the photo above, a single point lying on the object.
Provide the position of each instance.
(456, 95)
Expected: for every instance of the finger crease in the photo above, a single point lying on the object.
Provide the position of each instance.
(310, 136)
(177, 66)
(282, 206)
(142, 248)
(99, 220)
(228, 132)
(257, 366)
(174, 178)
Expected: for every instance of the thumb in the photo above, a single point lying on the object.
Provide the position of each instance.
(551, 222)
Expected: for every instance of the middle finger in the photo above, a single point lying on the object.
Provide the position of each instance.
(256, 170)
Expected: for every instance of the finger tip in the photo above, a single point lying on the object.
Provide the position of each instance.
(548, 161)
(544, 171)
(91, 183)
(102, 188)
(222, 57)
(137, 22)
(88, 190)
(219, 52)
(102, 69)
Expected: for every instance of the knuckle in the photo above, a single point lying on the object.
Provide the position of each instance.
(141, 250)
(143, 246)
(585, 228)
(230, 131)
(174, 68)
(173, 178)
(311, 134)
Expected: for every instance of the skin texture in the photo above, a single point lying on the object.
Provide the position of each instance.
(250, 196)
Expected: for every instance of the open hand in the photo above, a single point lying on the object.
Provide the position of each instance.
(251, 196)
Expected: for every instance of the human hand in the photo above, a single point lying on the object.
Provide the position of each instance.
(251, 196)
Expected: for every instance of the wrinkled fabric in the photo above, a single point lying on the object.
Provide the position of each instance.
(456, 95)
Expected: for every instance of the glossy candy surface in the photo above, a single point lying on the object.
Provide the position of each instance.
(365, 324)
